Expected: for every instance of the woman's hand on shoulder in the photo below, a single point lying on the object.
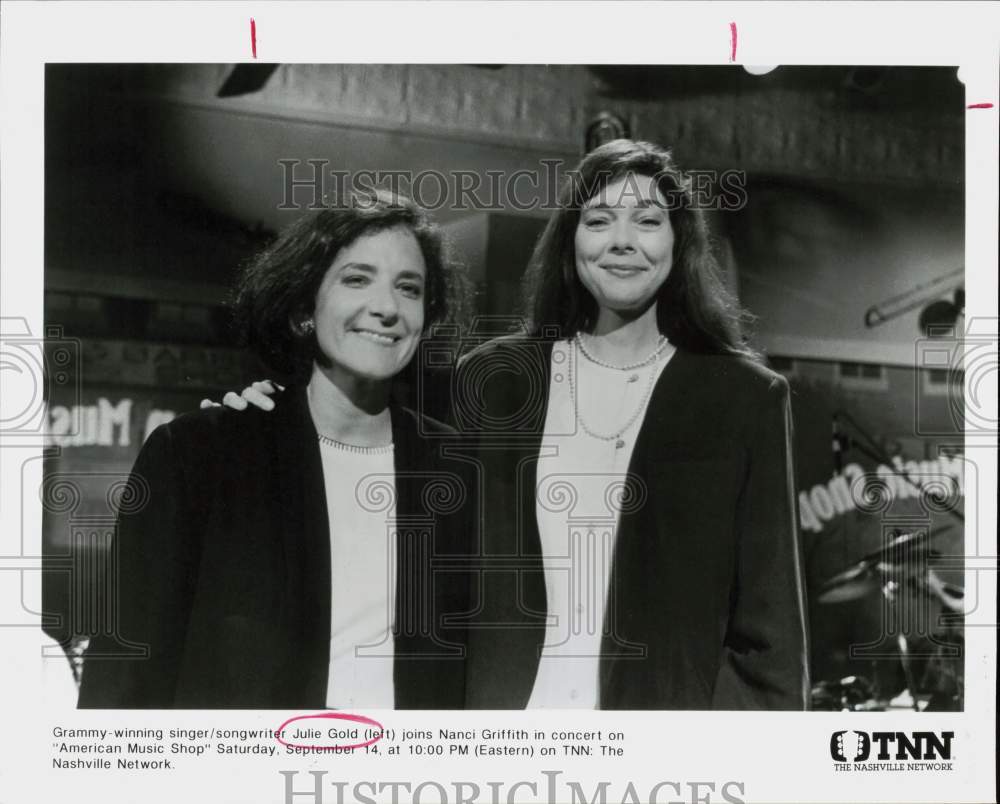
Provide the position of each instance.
(257, 394)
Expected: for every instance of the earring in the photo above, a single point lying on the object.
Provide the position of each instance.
(308, 326)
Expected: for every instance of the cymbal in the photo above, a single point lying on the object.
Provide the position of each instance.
(853, 583)
(898, 557)
(904, 546)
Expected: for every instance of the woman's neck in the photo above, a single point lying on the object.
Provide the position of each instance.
(348, 409)
(618, 340)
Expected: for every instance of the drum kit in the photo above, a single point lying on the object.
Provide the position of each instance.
(902, 574)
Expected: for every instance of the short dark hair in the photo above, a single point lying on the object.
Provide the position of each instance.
(278, 288)
(694, 309)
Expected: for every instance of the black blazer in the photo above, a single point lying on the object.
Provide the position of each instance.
(223, 556)
(706, 608)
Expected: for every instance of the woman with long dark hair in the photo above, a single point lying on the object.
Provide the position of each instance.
(270, 560)
(640, 528)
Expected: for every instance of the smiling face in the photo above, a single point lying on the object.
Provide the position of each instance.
(369, 310)
(624, 245)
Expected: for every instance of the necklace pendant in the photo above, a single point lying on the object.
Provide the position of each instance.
(619, 443)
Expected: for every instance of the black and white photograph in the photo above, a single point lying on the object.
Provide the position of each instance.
(627, 528)
(536, 398)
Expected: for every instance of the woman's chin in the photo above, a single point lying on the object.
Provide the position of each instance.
(376, 375)
(627, 309)
(366, 374)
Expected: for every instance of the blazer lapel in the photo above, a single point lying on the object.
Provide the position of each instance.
(504, 653)
(410, 685)
(636, 551)
(306, 536)
(531, 593)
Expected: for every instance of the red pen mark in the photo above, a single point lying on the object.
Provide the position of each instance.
(732, 37)
(335, 716)
(979, 106)
(253, 37)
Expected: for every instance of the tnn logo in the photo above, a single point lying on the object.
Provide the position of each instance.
(856, 746)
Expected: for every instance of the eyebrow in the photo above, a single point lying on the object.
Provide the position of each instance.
(368, 268)
(645, 203)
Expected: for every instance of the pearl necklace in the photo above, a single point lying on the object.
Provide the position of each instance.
(660, 344)
(381, 449)
(640, 408)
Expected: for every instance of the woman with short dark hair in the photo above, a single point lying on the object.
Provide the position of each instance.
(277, 290)
(261, 565)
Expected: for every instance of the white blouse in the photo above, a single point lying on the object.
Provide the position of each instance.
(363, 577)
(593, 418)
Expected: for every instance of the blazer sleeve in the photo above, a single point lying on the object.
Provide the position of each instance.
(153, 564)
(765, 665)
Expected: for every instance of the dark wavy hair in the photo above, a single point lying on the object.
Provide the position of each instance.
(694, 309)
(277, 289)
